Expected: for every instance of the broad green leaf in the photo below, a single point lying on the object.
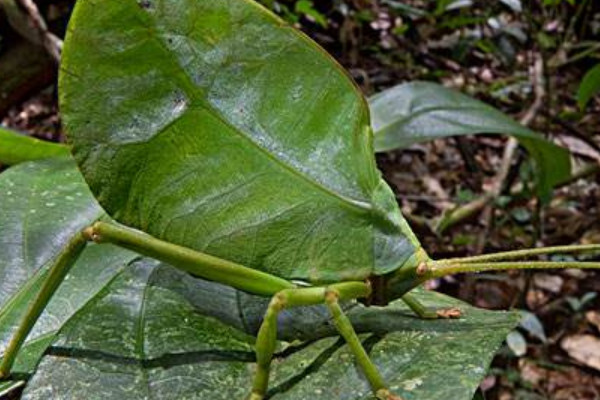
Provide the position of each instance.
(589, 86)
(44, 204)
(421, 111)
(16, 148)
(145, 337)
(214, 125)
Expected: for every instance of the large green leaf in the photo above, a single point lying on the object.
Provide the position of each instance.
(421, 111)
(44, 204)
(214, 125)
(152, 334)
(16, 148)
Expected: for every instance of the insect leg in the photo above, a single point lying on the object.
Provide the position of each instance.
(57, 272)
(267, 334)
(425, 312)
(344, 327)
(196, 263)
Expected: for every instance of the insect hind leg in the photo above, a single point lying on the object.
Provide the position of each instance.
(330, 295)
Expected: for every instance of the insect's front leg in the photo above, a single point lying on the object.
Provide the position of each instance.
(267, 335)
(57, 273)
(425, 312)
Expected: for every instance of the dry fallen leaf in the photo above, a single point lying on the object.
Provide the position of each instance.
(583, 348)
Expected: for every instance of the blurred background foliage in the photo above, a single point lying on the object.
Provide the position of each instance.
(536, 60)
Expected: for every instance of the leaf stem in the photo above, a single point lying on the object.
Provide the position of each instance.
(515, 254)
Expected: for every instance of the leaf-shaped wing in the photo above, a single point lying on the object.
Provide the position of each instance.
(213, 125)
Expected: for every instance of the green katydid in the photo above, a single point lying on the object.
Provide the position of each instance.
(182, 94)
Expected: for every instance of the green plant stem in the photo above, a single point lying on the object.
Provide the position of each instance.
(191, 261)
(438, 269)
(58, 271)
(511, 255)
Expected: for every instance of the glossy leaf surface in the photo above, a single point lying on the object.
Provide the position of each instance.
(44, 204)
(16, 148)
(214, 125)
(145, 337)
(421, 111)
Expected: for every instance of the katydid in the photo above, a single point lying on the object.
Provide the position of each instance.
(227, 144)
